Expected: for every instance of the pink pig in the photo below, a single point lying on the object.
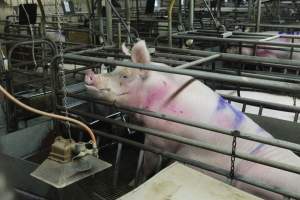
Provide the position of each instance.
(270, 53)
(151, 90)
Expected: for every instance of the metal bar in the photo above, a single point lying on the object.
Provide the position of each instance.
(127, 7)
(264, 84)
(139, 167)
(270, 105)
(109, 23)
(292, 49)
(199, 164)
(119, 35)
(258, 16)
(170, 25)
(159, 163)
(117, 165)
(289, 26)
(234, 57)
(198, 62)
(88, 50)
(192, 142)
(191, 14)
(243, 135)
(218, 39)
(270, 38)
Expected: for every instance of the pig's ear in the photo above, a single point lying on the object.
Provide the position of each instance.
(125, 50)
(140, 53)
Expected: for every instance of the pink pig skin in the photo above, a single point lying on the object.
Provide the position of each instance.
(150, 90)
(269, 52)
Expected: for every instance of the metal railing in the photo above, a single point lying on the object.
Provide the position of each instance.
(292, 88)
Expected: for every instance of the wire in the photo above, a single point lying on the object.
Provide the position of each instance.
(32, 36)
(51, 115)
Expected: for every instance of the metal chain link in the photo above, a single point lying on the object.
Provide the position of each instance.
(232, 168)
(61, 68)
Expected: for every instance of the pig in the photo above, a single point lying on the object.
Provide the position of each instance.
(151, 90)
(271, 53)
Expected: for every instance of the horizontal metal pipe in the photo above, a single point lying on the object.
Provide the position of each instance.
(198, 62)
(195, 163)
(260, 75)
(270, 38)
(273, 25)
(234, 57)
(191, 142)
(243, 81)
(41, 81)
(270, 105)
(244, 135)
(218, 39)
(88, 50)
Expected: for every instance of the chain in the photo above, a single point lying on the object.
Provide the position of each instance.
(231, 175)
(61, 68)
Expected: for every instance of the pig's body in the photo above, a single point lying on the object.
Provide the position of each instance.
(151, 90)
(271, 53)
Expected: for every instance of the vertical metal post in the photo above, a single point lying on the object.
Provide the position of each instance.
(119, 35)
(127, 7)
(219, 9)
(250, 10)
(117, 165)
(109, 30)
(191, 14)
(139, 167)
(292, 49)
(92, 21)
(99, 13)
(258, 15)
(137, 14)
(170, 21)
(179, 12)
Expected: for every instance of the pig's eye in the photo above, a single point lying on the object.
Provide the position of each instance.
(125, 76)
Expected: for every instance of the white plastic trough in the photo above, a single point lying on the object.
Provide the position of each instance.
(179, 182)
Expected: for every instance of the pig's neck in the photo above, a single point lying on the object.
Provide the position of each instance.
(153, 98)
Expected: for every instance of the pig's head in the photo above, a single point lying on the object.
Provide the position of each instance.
(123, 85)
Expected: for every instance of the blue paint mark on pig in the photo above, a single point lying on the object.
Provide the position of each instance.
(221, 104)
(238, 115)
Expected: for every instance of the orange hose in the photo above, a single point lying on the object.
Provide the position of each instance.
(51, 115)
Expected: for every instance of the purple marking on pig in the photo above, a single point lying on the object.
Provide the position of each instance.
(256, 149)
(221, 104)
(238, 115)
(155, 95)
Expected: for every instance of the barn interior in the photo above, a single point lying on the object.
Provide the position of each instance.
(69, 144)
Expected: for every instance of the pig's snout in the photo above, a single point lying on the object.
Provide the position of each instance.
(90, 77)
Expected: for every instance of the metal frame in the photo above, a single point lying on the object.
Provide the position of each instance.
(250, 82)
